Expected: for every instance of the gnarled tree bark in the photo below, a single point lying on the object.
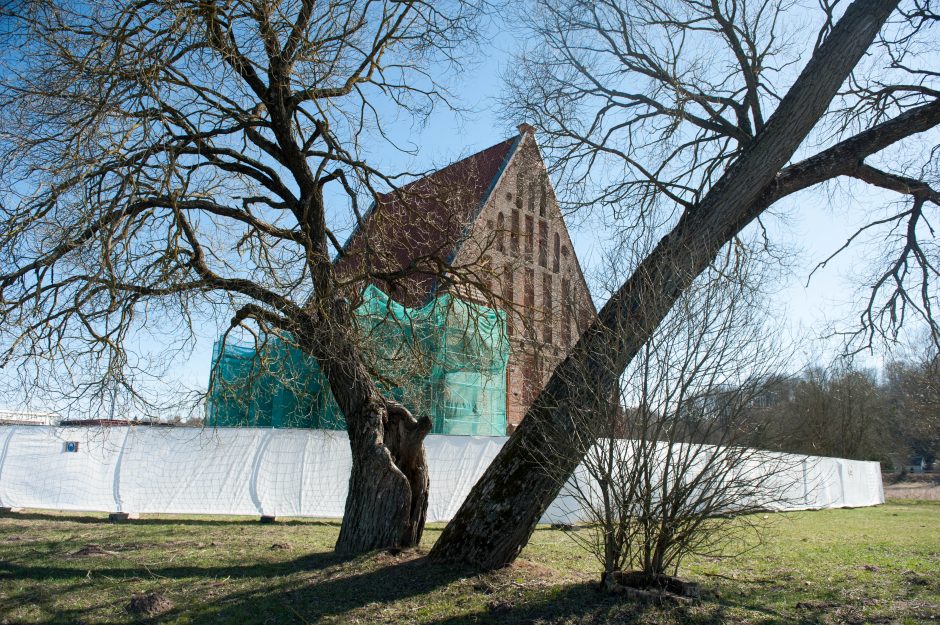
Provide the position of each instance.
(388, 486)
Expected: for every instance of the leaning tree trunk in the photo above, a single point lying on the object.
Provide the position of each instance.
(498, 517)
(388, 486)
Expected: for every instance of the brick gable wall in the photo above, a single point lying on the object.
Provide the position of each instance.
(532, 265)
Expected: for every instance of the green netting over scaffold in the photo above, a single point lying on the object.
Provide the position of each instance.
(446, 360)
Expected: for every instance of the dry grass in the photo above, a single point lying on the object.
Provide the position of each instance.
(872, 565)
(913, 490)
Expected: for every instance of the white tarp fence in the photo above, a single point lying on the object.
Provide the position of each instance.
(282, 472)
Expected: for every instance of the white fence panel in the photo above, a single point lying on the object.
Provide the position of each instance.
(38, 472)
(291, 472)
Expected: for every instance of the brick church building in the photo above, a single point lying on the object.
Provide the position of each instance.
(492, 223)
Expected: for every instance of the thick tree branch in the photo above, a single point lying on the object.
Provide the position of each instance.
(893, 182)
(844, 157)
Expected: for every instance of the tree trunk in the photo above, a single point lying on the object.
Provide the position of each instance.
(498, 517)
(388, 485)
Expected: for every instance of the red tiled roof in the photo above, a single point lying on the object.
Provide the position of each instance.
(425, 219)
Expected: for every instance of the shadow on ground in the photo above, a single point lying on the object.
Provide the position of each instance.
(444, 595)
(163, 521)
(379, 588)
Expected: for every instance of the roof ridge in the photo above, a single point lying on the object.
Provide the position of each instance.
(456, 163)
(489, 190)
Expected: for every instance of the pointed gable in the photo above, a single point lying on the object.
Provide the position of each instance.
(521, 225)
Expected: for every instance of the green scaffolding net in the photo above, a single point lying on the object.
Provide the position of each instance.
(446, 360)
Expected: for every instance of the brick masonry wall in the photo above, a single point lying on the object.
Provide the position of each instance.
(530, 262)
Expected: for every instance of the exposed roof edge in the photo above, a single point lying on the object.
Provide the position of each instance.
(352, 235)
(479, 209)
(486, 195)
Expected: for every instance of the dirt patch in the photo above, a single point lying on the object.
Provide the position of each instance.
(398, 556)
(915, 579)
(19, 539)
(281, 547)
(150, 604)
(500, 606)
(519, 576)
(92, 550)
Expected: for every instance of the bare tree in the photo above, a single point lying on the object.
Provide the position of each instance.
(668, 93)
(668, 475)
(696, 116)
(836, 411)
(912, 394)
(165, 160)
(846, 411)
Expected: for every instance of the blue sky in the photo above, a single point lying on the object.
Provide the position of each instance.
(809, 226)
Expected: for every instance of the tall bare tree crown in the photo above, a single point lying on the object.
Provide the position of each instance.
(644, 105)
(164, 162)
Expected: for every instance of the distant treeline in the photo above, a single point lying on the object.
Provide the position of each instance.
(850, 412)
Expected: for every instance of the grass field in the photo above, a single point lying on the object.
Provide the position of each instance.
(872, 565)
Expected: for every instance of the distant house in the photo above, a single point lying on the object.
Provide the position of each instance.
(19, 417)
(917, 464)
(495, 210)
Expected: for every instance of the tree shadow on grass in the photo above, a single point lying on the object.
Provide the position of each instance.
(313, 586)
(401, 592)
(12, 570)
(335, 592)
(218, 521)
(403, 585)
(586, 603)
(375, 588)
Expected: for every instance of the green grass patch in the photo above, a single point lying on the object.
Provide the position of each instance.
(870, 565)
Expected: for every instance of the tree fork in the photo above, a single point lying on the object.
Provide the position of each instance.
(498, 517)
(389, 482)
(388, 487)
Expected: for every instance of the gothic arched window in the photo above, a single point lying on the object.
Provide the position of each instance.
(555, 259)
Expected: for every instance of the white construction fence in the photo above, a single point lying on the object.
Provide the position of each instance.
(282, 472)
